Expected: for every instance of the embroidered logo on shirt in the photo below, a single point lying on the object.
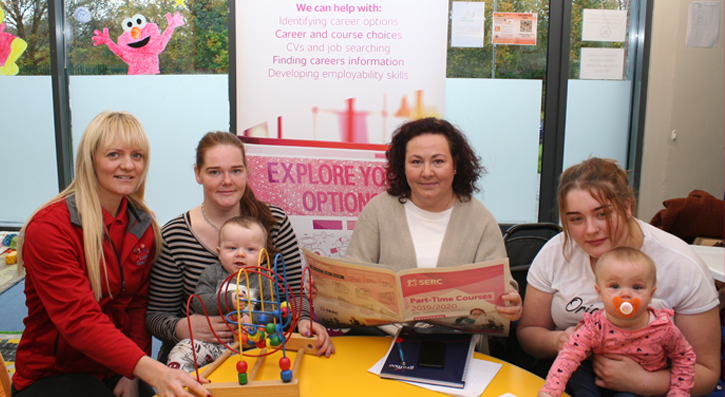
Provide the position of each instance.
(141, 254)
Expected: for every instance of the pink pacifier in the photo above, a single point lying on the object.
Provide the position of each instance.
(626, 308)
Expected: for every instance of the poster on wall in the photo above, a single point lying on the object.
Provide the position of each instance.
(604, 25)
(703, 23)
(347, 72)
(514, 28)
(602, 64)
(322, 190)
(467, 19)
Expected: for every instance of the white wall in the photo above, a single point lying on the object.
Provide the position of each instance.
(685, 93)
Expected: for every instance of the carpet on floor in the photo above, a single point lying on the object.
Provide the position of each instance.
(8, 275)
(8, 346)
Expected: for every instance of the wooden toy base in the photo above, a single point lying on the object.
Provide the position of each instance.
(264, 388)
(261, 388)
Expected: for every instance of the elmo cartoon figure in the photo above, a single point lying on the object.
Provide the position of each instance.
(141, 43)
(11, 48)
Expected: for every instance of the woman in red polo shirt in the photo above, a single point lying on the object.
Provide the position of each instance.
(88, 254)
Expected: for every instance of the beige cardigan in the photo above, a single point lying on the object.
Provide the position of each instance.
(382, 236)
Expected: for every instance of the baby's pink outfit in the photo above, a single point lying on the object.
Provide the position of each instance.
(649, 346)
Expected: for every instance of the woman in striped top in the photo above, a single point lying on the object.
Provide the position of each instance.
(190, 242)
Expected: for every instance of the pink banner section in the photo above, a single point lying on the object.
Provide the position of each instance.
(316, 187)
(326, 225)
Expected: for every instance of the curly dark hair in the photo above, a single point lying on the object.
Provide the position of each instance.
(467, 163)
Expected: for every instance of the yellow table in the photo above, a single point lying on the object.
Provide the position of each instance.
(345, 373)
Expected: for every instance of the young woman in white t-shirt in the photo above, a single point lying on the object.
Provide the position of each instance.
(597, 208)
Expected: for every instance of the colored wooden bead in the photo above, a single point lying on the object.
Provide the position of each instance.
(261, 344)
(286, 375)
(245, 338)
(284, 363)
(255, 337)
(262, 319)
(274, 341)
(270, 328)
(242, 367)
(242, 379)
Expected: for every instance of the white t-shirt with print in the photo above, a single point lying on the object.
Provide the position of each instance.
(684, 283)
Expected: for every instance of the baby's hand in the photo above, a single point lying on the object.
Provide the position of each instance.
(543, 394)
(238, 304)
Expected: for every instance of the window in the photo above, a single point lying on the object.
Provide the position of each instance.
(199, 46)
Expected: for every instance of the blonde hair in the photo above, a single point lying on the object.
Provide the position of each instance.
(629, 255)
(104, 130)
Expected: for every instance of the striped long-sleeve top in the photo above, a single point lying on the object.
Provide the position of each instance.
(184, 258)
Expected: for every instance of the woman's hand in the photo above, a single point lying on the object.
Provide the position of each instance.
(324, 342)
(621, 373)
(126, 388)
(168, 382)
(201, 329)
(311, 290)
(514, 311)
(172, 382)
(564, 337)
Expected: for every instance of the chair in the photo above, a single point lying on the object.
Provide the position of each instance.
(4, 379)
(522, 243)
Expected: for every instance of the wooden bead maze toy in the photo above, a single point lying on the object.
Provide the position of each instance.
(267, 330)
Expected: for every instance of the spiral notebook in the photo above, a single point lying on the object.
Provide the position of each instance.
(424, 360)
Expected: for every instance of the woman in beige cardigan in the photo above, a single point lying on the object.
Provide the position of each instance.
(428, 217)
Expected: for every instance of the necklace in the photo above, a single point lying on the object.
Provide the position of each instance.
(206, 218)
